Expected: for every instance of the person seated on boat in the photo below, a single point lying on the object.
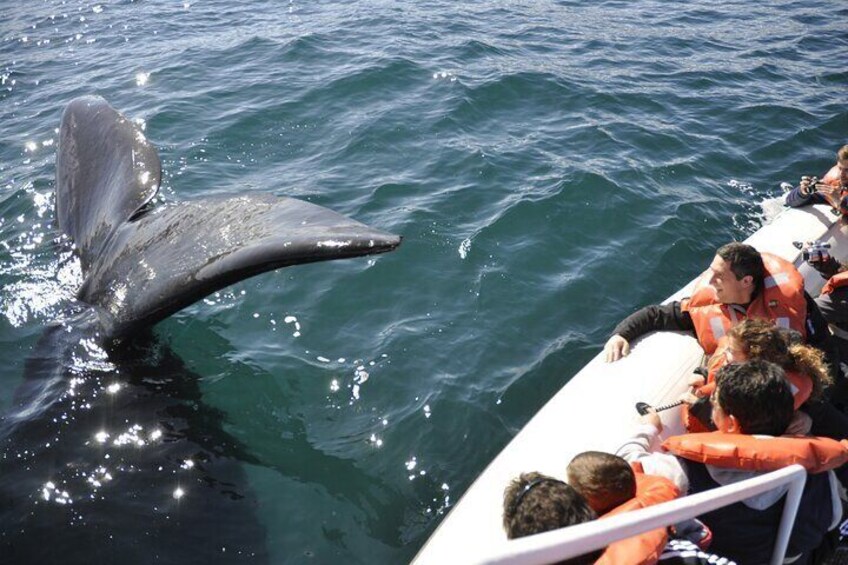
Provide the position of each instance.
(831, 189)
(608, 481)
(603, 479)
(751, 399)
(833, 299)
(803, 365)
(832, 302)
(740, 283)
(534, 503)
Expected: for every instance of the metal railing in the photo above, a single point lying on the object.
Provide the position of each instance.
(556, 545)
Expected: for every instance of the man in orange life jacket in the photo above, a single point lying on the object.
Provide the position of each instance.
(740, 283)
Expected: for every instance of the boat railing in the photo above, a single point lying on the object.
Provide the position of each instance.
(556, 545)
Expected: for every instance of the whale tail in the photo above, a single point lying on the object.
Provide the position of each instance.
(142, 263)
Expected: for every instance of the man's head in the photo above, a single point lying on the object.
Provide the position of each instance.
(752, 398)
(842, 162)
(604, 480)
(535, 503)
(736, 273)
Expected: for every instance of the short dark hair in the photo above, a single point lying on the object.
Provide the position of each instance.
(757, 394)
(605, 480)
(535, 503)
(744, 260)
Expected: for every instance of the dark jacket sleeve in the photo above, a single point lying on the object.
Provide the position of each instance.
(795, 199)
(818, 334)
(834, 307)
(668, 317)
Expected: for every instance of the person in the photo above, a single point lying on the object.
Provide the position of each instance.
(754, 398)
(740, 283)
(611, 485)
(803, 365)
(833, 299)
(534, 503)
(603, 479)
(830, 189)
(607, 480)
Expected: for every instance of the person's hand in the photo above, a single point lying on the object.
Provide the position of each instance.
(806, 187)
(689, 398)
(696, 381)
(651, 417)
(616, 348)
(817, 255)
(800, 425)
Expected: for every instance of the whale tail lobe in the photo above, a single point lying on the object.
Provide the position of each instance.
(142, 263)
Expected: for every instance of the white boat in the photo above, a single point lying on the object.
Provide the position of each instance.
(595, 409)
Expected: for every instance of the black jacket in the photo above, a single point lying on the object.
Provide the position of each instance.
(670, 317)
(747, 535)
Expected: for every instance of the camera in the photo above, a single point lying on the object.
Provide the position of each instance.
(816, 252)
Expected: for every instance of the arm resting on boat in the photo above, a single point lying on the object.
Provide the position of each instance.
(666, 317)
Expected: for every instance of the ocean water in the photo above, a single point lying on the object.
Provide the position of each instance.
(551, 166)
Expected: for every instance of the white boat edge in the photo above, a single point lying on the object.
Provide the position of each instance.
(601, 398)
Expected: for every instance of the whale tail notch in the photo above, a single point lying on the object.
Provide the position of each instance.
(143, 263)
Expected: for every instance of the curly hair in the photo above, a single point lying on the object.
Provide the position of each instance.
(534, 503)
(761, 339)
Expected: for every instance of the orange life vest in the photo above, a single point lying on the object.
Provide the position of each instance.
(836, 281)
(801, 384)
(759, 453)
(781, 300)
(645, 548)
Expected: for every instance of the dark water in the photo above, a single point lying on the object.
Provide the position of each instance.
(552, 166)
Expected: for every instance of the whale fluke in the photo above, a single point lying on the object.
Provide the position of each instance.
(106, 173)
(141, 263)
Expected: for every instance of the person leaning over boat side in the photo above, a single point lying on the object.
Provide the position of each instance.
(830, 189)
(739, 284)
(753, 398)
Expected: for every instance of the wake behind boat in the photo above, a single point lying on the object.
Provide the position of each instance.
(595, 409)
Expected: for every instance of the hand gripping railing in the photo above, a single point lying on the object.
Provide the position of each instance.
(556, 545)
